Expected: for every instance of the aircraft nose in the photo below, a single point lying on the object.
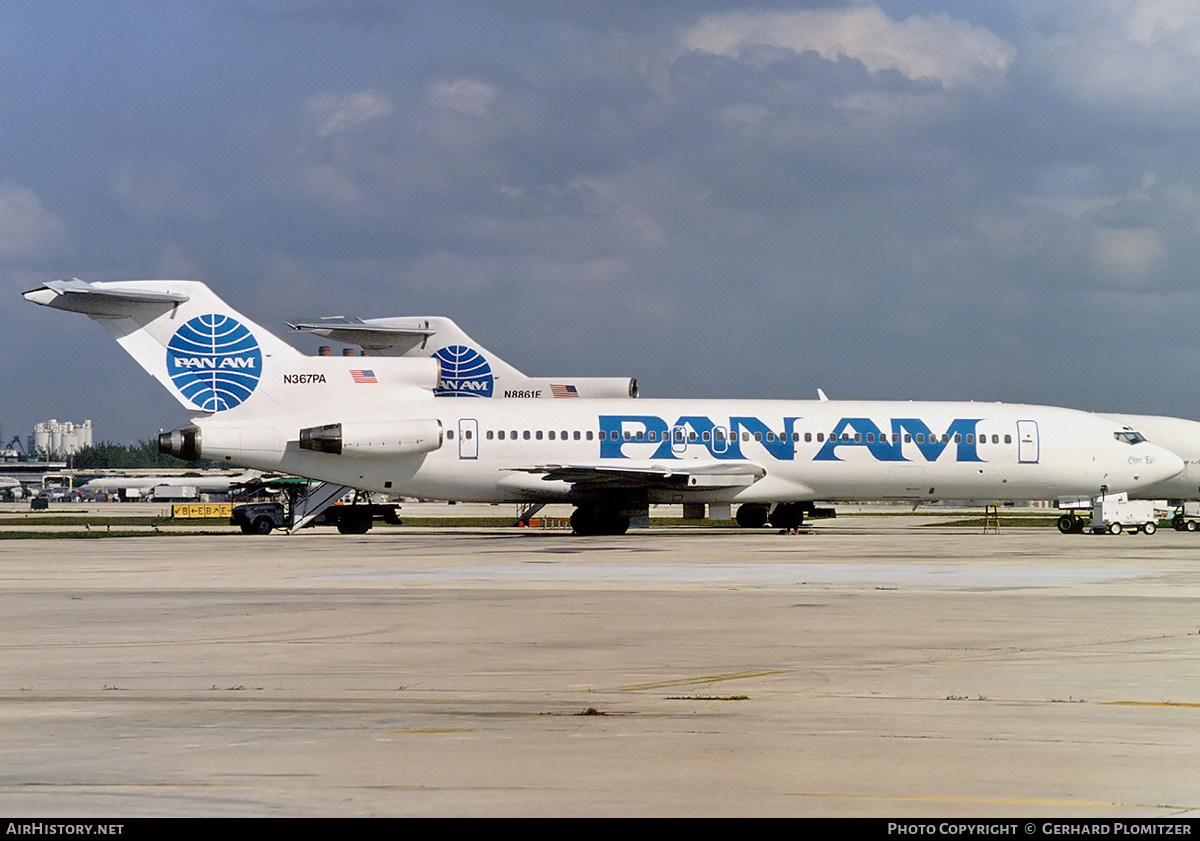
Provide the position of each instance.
(1157, 465)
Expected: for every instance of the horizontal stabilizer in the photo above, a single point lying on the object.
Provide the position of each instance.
(468, 368)
(380, 337)
(114, 299)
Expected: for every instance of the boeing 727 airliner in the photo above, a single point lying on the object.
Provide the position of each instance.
(375, 424)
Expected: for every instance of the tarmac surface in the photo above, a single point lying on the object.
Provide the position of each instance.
(878, 666)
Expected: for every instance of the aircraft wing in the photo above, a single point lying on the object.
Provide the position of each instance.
(646, 475)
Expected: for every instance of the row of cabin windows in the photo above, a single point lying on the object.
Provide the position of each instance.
(678, 436)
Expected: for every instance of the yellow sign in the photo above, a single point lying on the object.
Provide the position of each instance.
(202, 510)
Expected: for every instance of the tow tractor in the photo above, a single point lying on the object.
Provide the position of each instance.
(1184, 517)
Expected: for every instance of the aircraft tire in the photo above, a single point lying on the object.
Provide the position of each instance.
(587, 521)
(752, 515)
(354, 524)
(583, 521)
(613, 523)
(787, 515)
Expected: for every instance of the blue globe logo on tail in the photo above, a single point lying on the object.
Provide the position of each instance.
(215, 362)
(465, 373)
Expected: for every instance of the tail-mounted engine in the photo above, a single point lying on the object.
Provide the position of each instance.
(182, 443)
(373, 438)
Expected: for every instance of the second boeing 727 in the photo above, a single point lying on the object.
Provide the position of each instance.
(375, 423)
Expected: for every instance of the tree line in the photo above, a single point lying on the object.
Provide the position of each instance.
(140, 456)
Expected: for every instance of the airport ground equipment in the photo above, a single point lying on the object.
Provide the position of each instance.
(314, 504)
(1111, 514)
(175, 493)
(1078, 511)
(528, 512)
(1186, 516)
(319, 496)
(259, 517)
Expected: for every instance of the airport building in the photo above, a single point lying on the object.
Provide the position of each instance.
(54, 438)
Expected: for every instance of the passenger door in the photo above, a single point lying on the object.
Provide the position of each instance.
(1027, 442)
(468, 438)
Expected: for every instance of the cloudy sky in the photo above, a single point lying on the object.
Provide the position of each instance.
(989, 200)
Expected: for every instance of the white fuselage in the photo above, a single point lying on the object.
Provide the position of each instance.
(495, 450)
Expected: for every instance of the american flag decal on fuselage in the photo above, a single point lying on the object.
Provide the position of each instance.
(364, 376)
(563, 390)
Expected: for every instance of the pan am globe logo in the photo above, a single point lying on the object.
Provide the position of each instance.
(214, 361)
(465, 373)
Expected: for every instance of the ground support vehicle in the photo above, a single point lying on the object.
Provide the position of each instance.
(1186, 517)
(1111, 514)
(259, 517)
(355, 517)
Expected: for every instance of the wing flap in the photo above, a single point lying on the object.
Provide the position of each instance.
(698, 475)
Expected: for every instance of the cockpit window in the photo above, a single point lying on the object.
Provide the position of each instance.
(1129, 436)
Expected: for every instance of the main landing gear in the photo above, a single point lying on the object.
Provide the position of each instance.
(752, 515)
(599, 519)
(788, 515)
(785, 515)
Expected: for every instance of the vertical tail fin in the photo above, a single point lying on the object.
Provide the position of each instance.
(251, 396)
(217, 362)
(208, 355)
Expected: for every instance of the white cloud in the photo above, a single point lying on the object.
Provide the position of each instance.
(335, 114)
(331, 152)
(1124, 52)
(466, 96)
(939, 47)
(1127, 256)
(27, 228)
